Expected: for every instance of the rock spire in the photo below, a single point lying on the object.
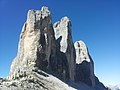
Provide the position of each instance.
(36, 43)
(47, 56)
(65, 44)
(84, 64)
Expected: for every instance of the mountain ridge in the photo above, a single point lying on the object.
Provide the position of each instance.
(45, 50)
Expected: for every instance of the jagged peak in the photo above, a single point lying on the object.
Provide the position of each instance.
(82, 52)
(44, 8)
(42, 50)
(81, 44)
(65, 19)
(34, 15)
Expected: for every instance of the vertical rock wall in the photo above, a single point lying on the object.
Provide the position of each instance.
(50, 48)
(36, 41)
(65, 45)
(84, 65)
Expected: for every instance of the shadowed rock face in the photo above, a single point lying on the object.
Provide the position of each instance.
(65, 45)
(45, 50)
(36, 43)
(84, 65)
(39, 49)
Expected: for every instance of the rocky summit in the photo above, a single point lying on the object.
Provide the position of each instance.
(47, 58)
(65, 45)
(84, 64)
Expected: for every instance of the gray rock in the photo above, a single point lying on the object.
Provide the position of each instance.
(36, 43)
(44, 51)
(84, 64)
(36, 80)
(65, 45)
(85, 67)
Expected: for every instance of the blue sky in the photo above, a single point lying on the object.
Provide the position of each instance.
(96, 22)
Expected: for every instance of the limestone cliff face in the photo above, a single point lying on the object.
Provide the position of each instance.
(85, 67)
(65, 45)
(84, 64)
(45, 50)
(36, 43)
(39, 49)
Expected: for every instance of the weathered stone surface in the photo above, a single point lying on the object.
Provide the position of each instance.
(36, 41)
(81, 52)
(36, 80)
(85, 67)
(65, 45)
(44, 51)
(37, 48)
(84, 64)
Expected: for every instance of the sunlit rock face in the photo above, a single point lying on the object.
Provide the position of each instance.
(38, 47)
(47, 56)
(84, 64)
(81, 52)
(65, 44)
(36, 43)
(84, 71)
